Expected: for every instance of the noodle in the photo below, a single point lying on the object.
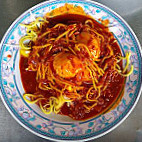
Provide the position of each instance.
(34, 101)
(85, 65)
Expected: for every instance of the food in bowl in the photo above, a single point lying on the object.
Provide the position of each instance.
(71, 64)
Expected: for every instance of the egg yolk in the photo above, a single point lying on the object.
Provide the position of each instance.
(67, 65)
(92, 43)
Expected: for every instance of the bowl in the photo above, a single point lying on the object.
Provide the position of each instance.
(56, 127)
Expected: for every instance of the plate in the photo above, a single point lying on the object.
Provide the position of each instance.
(60, 128)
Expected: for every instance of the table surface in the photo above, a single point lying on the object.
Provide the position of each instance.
(130, 130)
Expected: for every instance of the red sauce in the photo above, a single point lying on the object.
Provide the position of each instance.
(114, 80)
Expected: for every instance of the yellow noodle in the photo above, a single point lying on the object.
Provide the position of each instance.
(83, 45)
(43, 87)
(94, 85)
(100, 70)
(45, 111)
(127, 74)
(59, 25)
(96, 33)
(91, 22)
(127, 61)
(72, 50)
(71, 33)
(90, 107)
(44, 34)
(21, 42)
(32, 95)
(105, 67)
(62, 35)
(42, 46)
(87, 95)
(53, 87)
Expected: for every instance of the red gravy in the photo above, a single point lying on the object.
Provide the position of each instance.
(106, 101)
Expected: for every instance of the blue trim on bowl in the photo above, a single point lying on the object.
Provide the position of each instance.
(87, 135)
(122, 50)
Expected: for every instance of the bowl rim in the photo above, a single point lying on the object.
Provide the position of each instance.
(92, 137)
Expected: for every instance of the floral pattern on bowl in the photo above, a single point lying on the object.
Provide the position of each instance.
(55, 129)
